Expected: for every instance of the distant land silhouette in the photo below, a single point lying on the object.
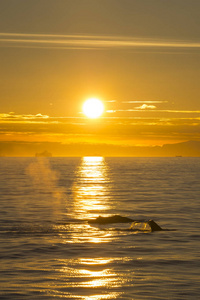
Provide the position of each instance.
(185, 149)
(43, 154)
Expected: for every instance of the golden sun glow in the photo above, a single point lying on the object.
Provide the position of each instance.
(93, 108)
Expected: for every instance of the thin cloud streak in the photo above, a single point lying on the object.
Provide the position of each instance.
(82, 121)
(12, 116)
(144, 101)
(145, 106)
(91, 41)
(157, 110)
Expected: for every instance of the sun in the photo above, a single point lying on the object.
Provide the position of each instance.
(93, 108)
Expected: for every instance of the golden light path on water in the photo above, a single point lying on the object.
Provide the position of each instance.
(90, 199)
(90, 194)
(91, 274)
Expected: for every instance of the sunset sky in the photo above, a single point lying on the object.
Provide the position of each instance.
(140, 57)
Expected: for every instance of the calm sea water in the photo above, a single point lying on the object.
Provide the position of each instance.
(49, 251)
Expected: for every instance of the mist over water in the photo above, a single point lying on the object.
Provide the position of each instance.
(44, 178)
(50, 251)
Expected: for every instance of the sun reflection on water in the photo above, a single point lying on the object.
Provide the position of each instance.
(92, 274)
(90, 189)
(90, 278)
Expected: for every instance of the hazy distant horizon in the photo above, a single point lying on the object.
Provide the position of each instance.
(20, 149)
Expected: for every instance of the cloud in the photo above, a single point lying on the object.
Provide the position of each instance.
(90, 41)
(145, 106)
(12, 117)
(111, 111)
(152, 108)
(179, 111)
(37, 136)
(146, 101)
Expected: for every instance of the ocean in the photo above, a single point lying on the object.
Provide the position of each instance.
(49, 250)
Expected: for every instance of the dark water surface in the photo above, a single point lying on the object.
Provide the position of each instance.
(49, 251)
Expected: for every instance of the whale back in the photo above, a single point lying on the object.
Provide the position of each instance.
(110, 219)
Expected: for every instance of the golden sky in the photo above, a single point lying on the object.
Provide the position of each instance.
(140, 57)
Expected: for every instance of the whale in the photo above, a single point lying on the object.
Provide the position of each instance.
(154, 226)
(149, 225)
(110, 220)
